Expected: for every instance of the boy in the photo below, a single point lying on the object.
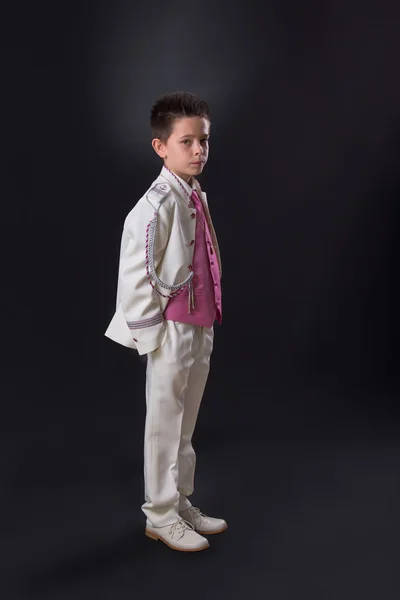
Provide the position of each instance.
(168, 297)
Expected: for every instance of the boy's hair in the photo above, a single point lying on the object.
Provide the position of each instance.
(175, 105)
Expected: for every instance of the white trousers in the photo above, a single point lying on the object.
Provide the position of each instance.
(175, 380)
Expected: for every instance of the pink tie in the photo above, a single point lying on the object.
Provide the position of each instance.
(198, 206)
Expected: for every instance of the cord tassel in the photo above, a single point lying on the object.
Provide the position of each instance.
(190, 296)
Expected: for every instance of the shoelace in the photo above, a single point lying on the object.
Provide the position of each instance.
(196, 512)
(180, 527)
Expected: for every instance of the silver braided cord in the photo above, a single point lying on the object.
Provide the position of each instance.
(152, 269)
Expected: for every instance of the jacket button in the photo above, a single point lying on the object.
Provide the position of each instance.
(193, 216)
(192, 242)
(190, 267)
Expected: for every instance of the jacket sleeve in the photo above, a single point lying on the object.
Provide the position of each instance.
(140, 303)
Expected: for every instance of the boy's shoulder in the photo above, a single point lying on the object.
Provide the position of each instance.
(159, 193)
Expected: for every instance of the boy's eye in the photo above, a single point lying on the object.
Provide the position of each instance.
(188, 141)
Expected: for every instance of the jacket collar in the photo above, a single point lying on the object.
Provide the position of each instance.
(165, 173)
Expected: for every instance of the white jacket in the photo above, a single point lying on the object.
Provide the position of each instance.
(138, 321)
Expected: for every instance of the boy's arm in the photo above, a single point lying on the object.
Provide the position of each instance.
(140, 303)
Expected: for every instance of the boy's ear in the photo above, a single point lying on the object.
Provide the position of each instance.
(159, 147)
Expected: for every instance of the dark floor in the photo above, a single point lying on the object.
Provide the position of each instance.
(312, 503)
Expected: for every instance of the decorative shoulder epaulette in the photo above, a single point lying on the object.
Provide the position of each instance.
(157, 194)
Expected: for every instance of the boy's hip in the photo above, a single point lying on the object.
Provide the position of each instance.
(183, 343)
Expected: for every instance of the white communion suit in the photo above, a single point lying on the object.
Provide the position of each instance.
(155, 264)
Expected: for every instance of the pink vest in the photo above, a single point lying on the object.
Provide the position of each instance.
(206, 280)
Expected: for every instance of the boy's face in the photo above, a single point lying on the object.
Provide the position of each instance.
(186, 151)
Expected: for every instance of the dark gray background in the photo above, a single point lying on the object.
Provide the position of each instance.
(297, 438)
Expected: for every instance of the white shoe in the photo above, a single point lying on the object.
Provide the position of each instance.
(202, 523)
(178, 536)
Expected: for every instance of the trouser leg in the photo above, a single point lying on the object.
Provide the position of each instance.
(197, 378)
(167, 377)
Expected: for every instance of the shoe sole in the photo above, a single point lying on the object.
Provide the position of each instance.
(156, 537)
(212, 532)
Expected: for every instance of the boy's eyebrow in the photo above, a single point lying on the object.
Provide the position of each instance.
(191, 135)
